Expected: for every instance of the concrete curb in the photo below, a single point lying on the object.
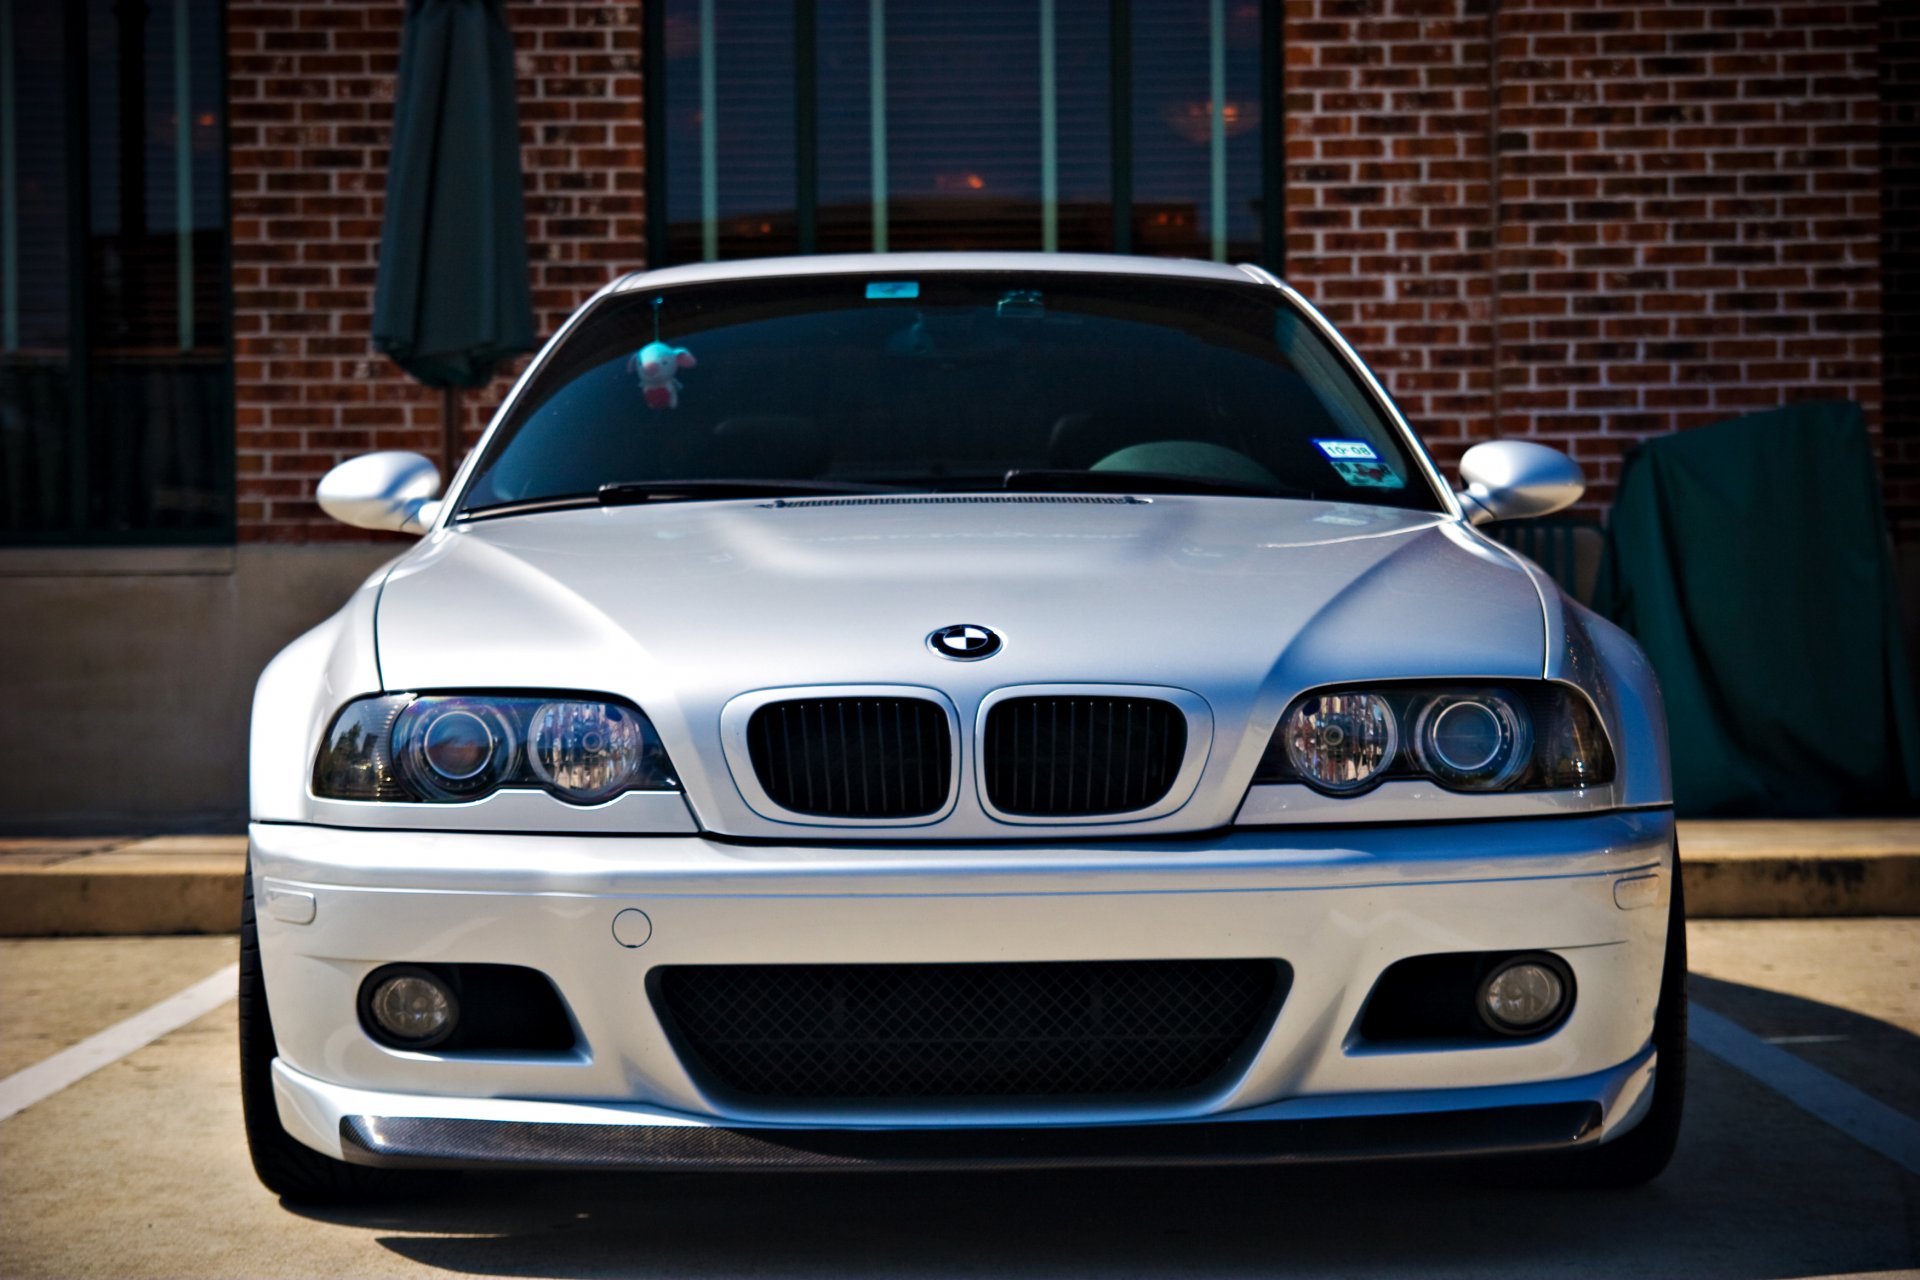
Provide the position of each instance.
(73, 888)
(1780, 868)
(191, 884)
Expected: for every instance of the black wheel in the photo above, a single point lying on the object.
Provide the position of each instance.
(1639, 1155)
(287, 1167)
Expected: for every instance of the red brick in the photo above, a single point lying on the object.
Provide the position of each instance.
(1659, 199)
(311, 91)
(1686, 216)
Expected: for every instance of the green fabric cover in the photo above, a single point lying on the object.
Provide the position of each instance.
(1751, 559)
(452, 299)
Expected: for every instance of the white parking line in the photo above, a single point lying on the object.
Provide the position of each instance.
(1866, 1120)
(45, 1078)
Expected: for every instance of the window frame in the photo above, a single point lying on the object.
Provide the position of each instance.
(81, 303)
(1120, 132)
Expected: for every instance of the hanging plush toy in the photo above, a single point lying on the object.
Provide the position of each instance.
(658, 365)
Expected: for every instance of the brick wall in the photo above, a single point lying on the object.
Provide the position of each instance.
(1690, 211)
(1684, 212)
(311, 89)
(1900, 264)
(1586, 221)
(1389, 197)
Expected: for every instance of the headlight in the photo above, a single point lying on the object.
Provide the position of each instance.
(1519, 736)
(454, 748)
(439, 748)
(1341, 741)
(1477, 741)
(587, 751)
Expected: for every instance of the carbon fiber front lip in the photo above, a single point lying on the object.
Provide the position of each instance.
(409, 1142)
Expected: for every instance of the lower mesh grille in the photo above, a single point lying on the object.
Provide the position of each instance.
(1063, 757)
(929, 1031)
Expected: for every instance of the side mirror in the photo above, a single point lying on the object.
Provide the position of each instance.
(1515, 479)
(393, 490)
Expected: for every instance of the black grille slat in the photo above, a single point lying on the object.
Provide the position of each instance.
(853, 757)
(1082, 756)
(931, 1031)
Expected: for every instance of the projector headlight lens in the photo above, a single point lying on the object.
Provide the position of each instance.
(454, 748)
(1477, 741)
(458, 745)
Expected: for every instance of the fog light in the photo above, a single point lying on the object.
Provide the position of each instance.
(1526, 995)
(409, 1007)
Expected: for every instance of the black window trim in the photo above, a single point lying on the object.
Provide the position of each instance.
(1119, 90)
(80, 346)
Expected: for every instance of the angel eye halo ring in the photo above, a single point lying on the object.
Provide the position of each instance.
(1478, 740)
(454, 748)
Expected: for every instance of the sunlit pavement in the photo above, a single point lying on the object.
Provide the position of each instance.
(139, 1168)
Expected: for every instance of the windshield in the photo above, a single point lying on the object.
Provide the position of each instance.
(944, 381)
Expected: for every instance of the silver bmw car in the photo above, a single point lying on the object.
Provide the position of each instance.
(956, 711)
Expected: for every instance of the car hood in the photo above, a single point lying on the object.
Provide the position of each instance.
(682, 607)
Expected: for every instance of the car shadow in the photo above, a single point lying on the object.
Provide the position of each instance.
(1758, 1190)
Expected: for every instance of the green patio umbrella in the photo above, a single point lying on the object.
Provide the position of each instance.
(452, 299)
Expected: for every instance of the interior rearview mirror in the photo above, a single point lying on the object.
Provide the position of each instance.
(1515, 479)
(390, 490)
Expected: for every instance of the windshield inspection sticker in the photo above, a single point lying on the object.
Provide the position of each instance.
(893, 289)
(1357, 450)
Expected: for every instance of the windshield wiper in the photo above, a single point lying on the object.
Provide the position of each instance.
(627, 492)
(1068, 481)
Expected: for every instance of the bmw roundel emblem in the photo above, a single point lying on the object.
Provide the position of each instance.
(964, 642)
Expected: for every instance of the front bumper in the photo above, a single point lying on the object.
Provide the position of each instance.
(1339, 905)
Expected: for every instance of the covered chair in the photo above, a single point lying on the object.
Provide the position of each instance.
(1751, 559)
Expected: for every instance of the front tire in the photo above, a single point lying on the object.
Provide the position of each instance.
(286, 1166)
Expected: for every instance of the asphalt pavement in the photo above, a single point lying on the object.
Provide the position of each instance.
(139, 1167)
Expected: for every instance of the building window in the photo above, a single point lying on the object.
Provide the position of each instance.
(116, 419)
(801, 126)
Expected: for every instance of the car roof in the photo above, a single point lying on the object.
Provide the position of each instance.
(916, 263)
